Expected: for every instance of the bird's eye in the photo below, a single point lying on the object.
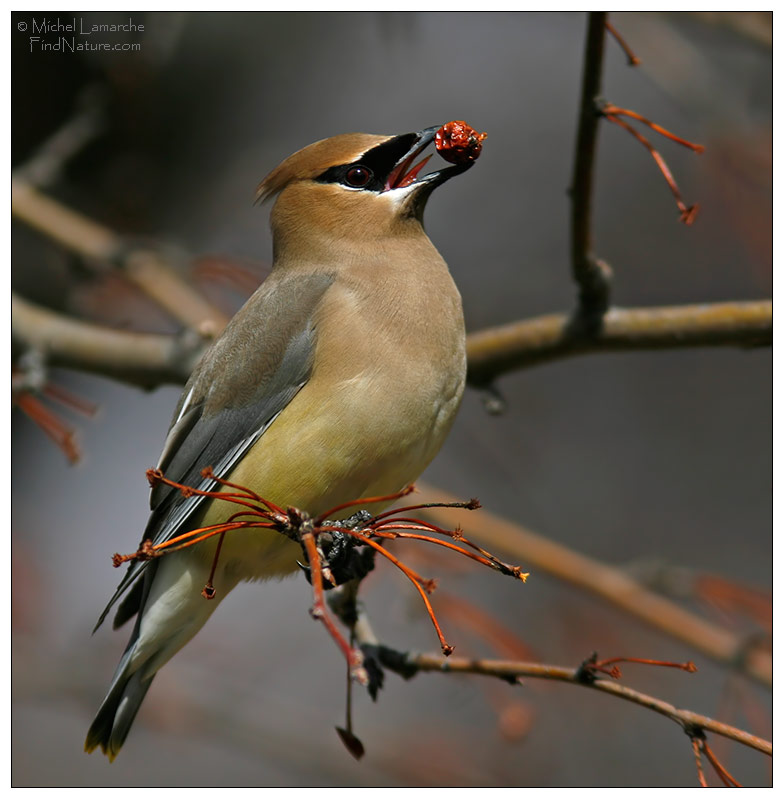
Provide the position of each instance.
(358, 176)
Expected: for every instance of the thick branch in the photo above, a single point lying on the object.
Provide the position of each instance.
(143, 359)
(518, 345)
(507, 670)
(539, 553)
(150, 360)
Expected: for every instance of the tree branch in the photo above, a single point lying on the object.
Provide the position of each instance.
(512, 670)
(149, 360)
(591, 275)
(143, 359)
(142, 266)
(536, 552)
(529, 342)
(491, 352)
(67, 227)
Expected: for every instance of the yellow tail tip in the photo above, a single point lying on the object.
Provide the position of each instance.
(91, 746)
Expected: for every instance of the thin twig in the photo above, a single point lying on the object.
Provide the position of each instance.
(688, 212)
(298, 526)
(724, 775)
(508, 670)
(422, 586)
(695, 745)
(630, 56)
(353, 656)
(29, 378)
(492, 562)
(613, 110)
(687, 666)
(467, 615)
(62, 395)
(542, 554)
(54, 427)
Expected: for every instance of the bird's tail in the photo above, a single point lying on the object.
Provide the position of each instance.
(170, 611)
(115, 716)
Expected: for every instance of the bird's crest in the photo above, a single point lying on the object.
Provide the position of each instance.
(311, 161)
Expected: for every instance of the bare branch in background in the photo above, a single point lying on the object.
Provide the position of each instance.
(143, 359)
(143, 266)
(518, 345)
(46, 165)
(591, 274)
(513, 671)
(540, 554)
(150, 361)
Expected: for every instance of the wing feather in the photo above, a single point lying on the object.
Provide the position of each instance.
(241, 385)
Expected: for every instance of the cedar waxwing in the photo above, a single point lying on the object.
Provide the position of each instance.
(338, 379)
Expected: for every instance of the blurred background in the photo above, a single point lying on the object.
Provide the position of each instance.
(638, 458)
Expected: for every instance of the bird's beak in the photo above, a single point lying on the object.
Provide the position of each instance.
(406, 172)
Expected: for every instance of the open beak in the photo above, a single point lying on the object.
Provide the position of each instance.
(406, 170)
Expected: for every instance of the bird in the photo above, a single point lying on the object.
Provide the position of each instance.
(338, 379)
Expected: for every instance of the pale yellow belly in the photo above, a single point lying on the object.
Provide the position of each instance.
(327, 448)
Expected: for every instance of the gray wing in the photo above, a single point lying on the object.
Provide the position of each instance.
(240, 386)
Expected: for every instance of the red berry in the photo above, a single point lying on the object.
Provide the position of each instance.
(457, 142)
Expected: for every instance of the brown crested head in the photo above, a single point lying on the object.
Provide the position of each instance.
(354, 187)
(312, 161)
